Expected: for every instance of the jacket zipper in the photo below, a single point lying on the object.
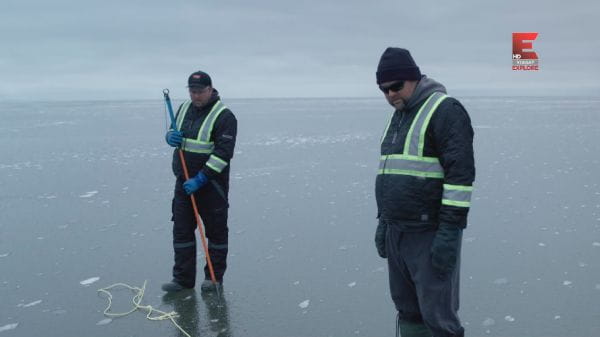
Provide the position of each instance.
(398, 127)
(395, 136)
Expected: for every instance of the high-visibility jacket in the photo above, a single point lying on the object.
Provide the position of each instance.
(426, 168)
(209, 140)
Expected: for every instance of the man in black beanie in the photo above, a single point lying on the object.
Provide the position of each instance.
(423, 191)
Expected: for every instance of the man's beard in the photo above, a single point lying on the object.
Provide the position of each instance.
(399, 105)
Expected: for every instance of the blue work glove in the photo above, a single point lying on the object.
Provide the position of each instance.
(380, 233)
(445, 248)
(174, 138)
(193, 184)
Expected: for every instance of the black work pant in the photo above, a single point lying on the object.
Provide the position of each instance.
(212, 206)
(420, 293)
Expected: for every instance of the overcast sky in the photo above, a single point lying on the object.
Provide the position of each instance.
(132, 49)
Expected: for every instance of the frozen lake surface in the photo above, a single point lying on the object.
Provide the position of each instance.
(86, 188)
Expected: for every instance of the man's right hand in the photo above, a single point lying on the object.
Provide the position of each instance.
(380, 234)
(174, 138)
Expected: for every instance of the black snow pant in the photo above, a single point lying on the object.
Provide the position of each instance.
(213, 206)
(420, 293)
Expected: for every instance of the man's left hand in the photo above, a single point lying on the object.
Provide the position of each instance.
(195, 183)
(445, 248)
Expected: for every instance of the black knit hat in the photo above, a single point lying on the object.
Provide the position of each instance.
(397, 64)
(199, 79)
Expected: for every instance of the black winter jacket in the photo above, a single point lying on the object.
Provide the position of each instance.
(414, 203)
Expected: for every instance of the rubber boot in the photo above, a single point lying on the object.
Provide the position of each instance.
(411, 329)
(209, 286)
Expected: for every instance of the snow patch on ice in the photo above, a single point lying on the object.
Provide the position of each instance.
(304, 304)
(30, 304)
(104, 321)
(596, 244)
(4, 255)
(509, 318)
(351, 284)
(9, 327)
(488, 322)
(501, 281)
(567, 283)
(88, 194)
(89, 281)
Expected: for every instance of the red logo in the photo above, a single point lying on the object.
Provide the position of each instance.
(523, 55)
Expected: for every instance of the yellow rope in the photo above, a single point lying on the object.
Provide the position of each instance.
(137, 299)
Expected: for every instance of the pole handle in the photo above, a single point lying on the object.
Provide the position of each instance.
(170, 108)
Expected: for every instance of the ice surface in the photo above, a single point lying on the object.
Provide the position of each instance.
(302, 218)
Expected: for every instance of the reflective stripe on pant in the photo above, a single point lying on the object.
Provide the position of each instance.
(213, 210)
(419, 292)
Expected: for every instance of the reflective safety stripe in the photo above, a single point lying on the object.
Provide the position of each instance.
(181, 113)
(387, 127)
(202, 144)
(428, 167)
(415, 139)
(217, 246)
(191, 145)
(184, 244)
(216, 163)
(209, 121)
(457, 195)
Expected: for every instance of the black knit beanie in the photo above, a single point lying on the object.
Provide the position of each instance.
(397, 64)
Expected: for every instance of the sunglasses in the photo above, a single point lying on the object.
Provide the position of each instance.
(395, 87)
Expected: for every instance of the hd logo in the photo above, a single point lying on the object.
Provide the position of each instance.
(523, 55)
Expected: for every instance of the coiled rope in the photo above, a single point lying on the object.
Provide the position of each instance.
(137, 300)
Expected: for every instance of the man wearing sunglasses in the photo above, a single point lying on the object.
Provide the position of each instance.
(423, 191)
(205, 130)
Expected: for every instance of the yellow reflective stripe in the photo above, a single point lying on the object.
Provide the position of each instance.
(457, 195)
(410, 157)
(456, 203)
(192, 145)
(209, 122)
(216, 163)
(426, 123)
(181, 114)
(437, 175)
(465, 188)
(404, 163)
(387, 127)
(412, 126)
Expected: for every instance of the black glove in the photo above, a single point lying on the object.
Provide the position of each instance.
(380, 238)
(445, 247)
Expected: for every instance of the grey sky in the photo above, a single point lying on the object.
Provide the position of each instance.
(129, 49)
